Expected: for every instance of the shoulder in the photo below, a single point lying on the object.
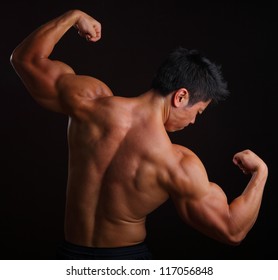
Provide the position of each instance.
(190, 175)
(84, 86)
(183, 149)
(78, 93)
(187, 157)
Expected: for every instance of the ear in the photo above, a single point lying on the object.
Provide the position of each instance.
(181, 97)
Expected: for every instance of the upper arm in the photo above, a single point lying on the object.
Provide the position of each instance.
(55, 86)
(201, 203)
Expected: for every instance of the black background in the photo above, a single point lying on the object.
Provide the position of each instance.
(136, 37)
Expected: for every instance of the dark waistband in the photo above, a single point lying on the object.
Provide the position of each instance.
(67, 250)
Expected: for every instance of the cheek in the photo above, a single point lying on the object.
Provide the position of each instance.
(187, 116)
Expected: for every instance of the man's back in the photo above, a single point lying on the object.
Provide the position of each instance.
(116, 166)
(122, 164)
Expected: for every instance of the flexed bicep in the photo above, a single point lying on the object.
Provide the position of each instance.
(204, 205)
(201, 203)
(210, 214)
(41, 78)
(31, 58)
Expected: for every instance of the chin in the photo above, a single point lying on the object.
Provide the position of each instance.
(173, 129)
(169, 129)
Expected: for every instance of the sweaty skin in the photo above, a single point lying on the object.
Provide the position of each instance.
(122, 164)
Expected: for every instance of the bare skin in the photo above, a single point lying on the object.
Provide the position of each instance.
(122, 164)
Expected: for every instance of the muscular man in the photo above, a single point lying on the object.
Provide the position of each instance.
(122, 164)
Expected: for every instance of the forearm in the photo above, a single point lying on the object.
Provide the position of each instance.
(40, 43)
(245, 208)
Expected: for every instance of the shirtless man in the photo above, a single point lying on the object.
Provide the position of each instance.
(122, 164)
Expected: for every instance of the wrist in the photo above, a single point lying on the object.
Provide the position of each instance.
(71, 18)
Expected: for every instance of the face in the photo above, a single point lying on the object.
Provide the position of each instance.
(182, 116)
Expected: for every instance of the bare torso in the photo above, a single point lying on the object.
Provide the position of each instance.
(122, 164)
(116, 173)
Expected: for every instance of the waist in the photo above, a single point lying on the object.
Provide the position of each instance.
(68, 250)
(104, 234)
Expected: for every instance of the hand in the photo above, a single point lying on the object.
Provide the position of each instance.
(248, 161)
(88, 28)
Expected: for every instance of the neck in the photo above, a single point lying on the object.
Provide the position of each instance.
(157, 103)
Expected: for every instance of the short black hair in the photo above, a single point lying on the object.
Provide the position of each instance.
(190, 69)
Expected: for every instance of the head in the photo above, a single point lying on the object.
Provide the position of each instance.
(191, 81)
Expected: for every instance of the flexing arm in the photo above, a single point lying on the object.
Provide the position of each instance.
(204, 205)
(53, 84)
